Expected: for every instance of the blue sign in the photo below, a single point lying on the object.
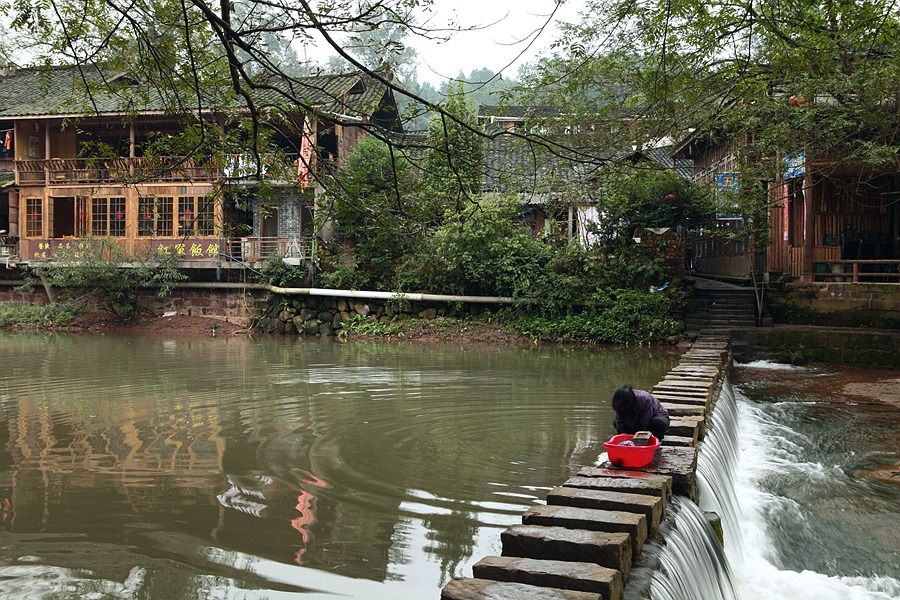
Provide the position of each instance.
(795, 165)
(727, 181)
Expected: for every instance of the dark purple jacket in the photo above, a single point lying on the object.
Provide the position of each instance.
(645, 407)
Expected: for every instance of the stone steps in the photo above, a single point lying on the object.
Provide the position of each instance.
(580, 545)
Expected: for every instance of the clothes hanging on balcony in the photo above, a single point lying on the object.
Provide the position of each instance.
(6, 147)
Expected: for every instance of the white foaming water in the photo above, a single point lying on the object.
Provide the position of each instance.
(769, 365)
(753, 565)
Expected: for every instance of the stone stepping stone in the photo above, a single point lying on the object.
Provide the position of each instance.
(485, 589)
(684, 410)
(650, 506)
(691, 427)
(611, 550)
(666, 397)
(678, 440)
(591, 519)
(619, 480)
(578, 576)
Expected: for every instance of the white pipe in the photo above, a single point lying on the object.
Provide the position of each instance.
(399, 296)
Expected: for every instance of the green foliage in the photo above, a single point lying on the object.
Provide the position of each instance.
(479, 251)
(644, 196)
(377, 210)
(100, 268)
(455, 151)
(619, 316)
(18, 315)
(279, 273)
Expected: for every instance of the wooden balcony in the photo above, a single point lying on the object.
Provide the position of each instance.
(113, 171)
(93, 171)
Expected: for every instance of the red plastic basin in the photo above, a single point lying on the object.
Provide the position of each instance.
(630, 456)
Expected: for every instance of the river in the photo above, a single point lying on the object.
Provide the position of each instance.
(818, 483)
(144, 467)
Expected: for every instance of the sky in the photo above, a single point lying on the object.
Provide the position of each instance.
(506, 36)
(500, 35)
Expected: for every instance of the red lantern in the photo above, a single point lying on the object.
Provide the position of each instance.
(671, 199)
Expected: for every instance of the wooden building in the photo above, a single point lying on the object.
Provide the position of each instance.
(827, 221)
(57, 187)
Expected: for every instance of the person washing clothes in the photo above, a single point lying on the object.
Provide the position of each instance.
(637, 410)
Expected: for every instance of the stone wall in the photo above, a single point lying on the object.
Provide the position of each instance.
(837, 304)
(235, 303)
(800, 344)
(309, 315)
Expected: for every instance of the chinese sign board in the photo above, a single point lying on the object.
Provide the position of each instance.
(74, 249)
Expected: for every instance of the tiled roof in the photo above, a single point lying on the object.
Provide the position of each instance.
(517, 112)
(57, 91)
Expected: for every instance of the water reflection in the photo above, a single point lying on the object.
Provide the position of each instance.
(255, 468)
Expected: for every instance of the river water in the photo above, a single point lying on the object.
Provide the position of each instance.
(818, 484)
(274, 468)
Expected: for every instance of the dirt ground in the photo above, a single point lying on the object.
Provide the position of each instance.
(168, 326)
(198, 326)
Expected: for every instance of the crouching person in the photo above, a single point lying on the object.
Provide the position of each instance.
(637, 410)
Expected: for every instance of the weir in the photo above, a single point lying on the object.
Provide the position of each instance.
(588, 541)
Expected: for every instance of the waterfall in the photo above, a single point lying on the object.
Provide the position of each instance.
(746, 443)
(693, 565)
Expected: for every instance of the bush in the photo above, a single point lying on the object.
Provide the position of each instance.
(620, 317)
(99, 267)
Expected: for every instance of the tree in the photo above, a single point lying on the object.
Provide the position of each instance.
(821, 77)
(377, 212)
(455, 151)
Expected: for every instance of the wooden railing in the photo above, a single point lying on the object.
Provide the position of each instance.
(255, 249)
(859, 271)
(88, 171)
(81, 171)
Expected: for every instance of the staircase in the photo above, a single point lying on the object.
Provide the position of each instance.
(722, 306)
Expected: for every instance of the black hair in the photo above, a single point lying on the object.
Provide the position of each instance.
(623, 399)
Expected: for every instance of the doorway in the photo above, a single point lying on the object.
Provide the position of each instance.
(63, 218)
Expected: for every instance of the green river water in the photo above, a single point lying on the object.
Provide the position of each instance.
(275, 468)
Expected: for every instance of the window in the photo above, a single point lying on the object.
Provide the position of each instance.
(81, 216)
(34, 212)
(196, 215)
(155, 216)
(108, 216)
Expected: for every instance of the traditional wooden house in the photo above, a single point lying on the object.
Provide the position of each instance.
(76, 160)
(828, 221)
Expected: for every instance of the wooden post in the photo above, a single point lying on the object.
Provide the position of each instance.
(809, 222)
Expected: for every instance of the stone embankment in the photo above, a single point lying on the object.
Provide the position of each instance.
(327, 316)
(580, 545)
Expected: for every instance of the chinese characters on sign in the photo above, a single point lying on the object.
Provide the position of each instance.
(75, 249)
(189, 249)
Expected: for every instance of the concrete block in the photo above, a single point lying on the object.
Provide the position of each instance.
(578, 576)
(611, 550)
(649, 506)
(571, 517)
(485, 589)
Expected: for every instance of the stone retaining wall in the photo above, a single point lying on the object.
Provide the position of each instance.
(580, 545)
(837, 304)
(800, 344)
(236, 303)
(316, 315)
